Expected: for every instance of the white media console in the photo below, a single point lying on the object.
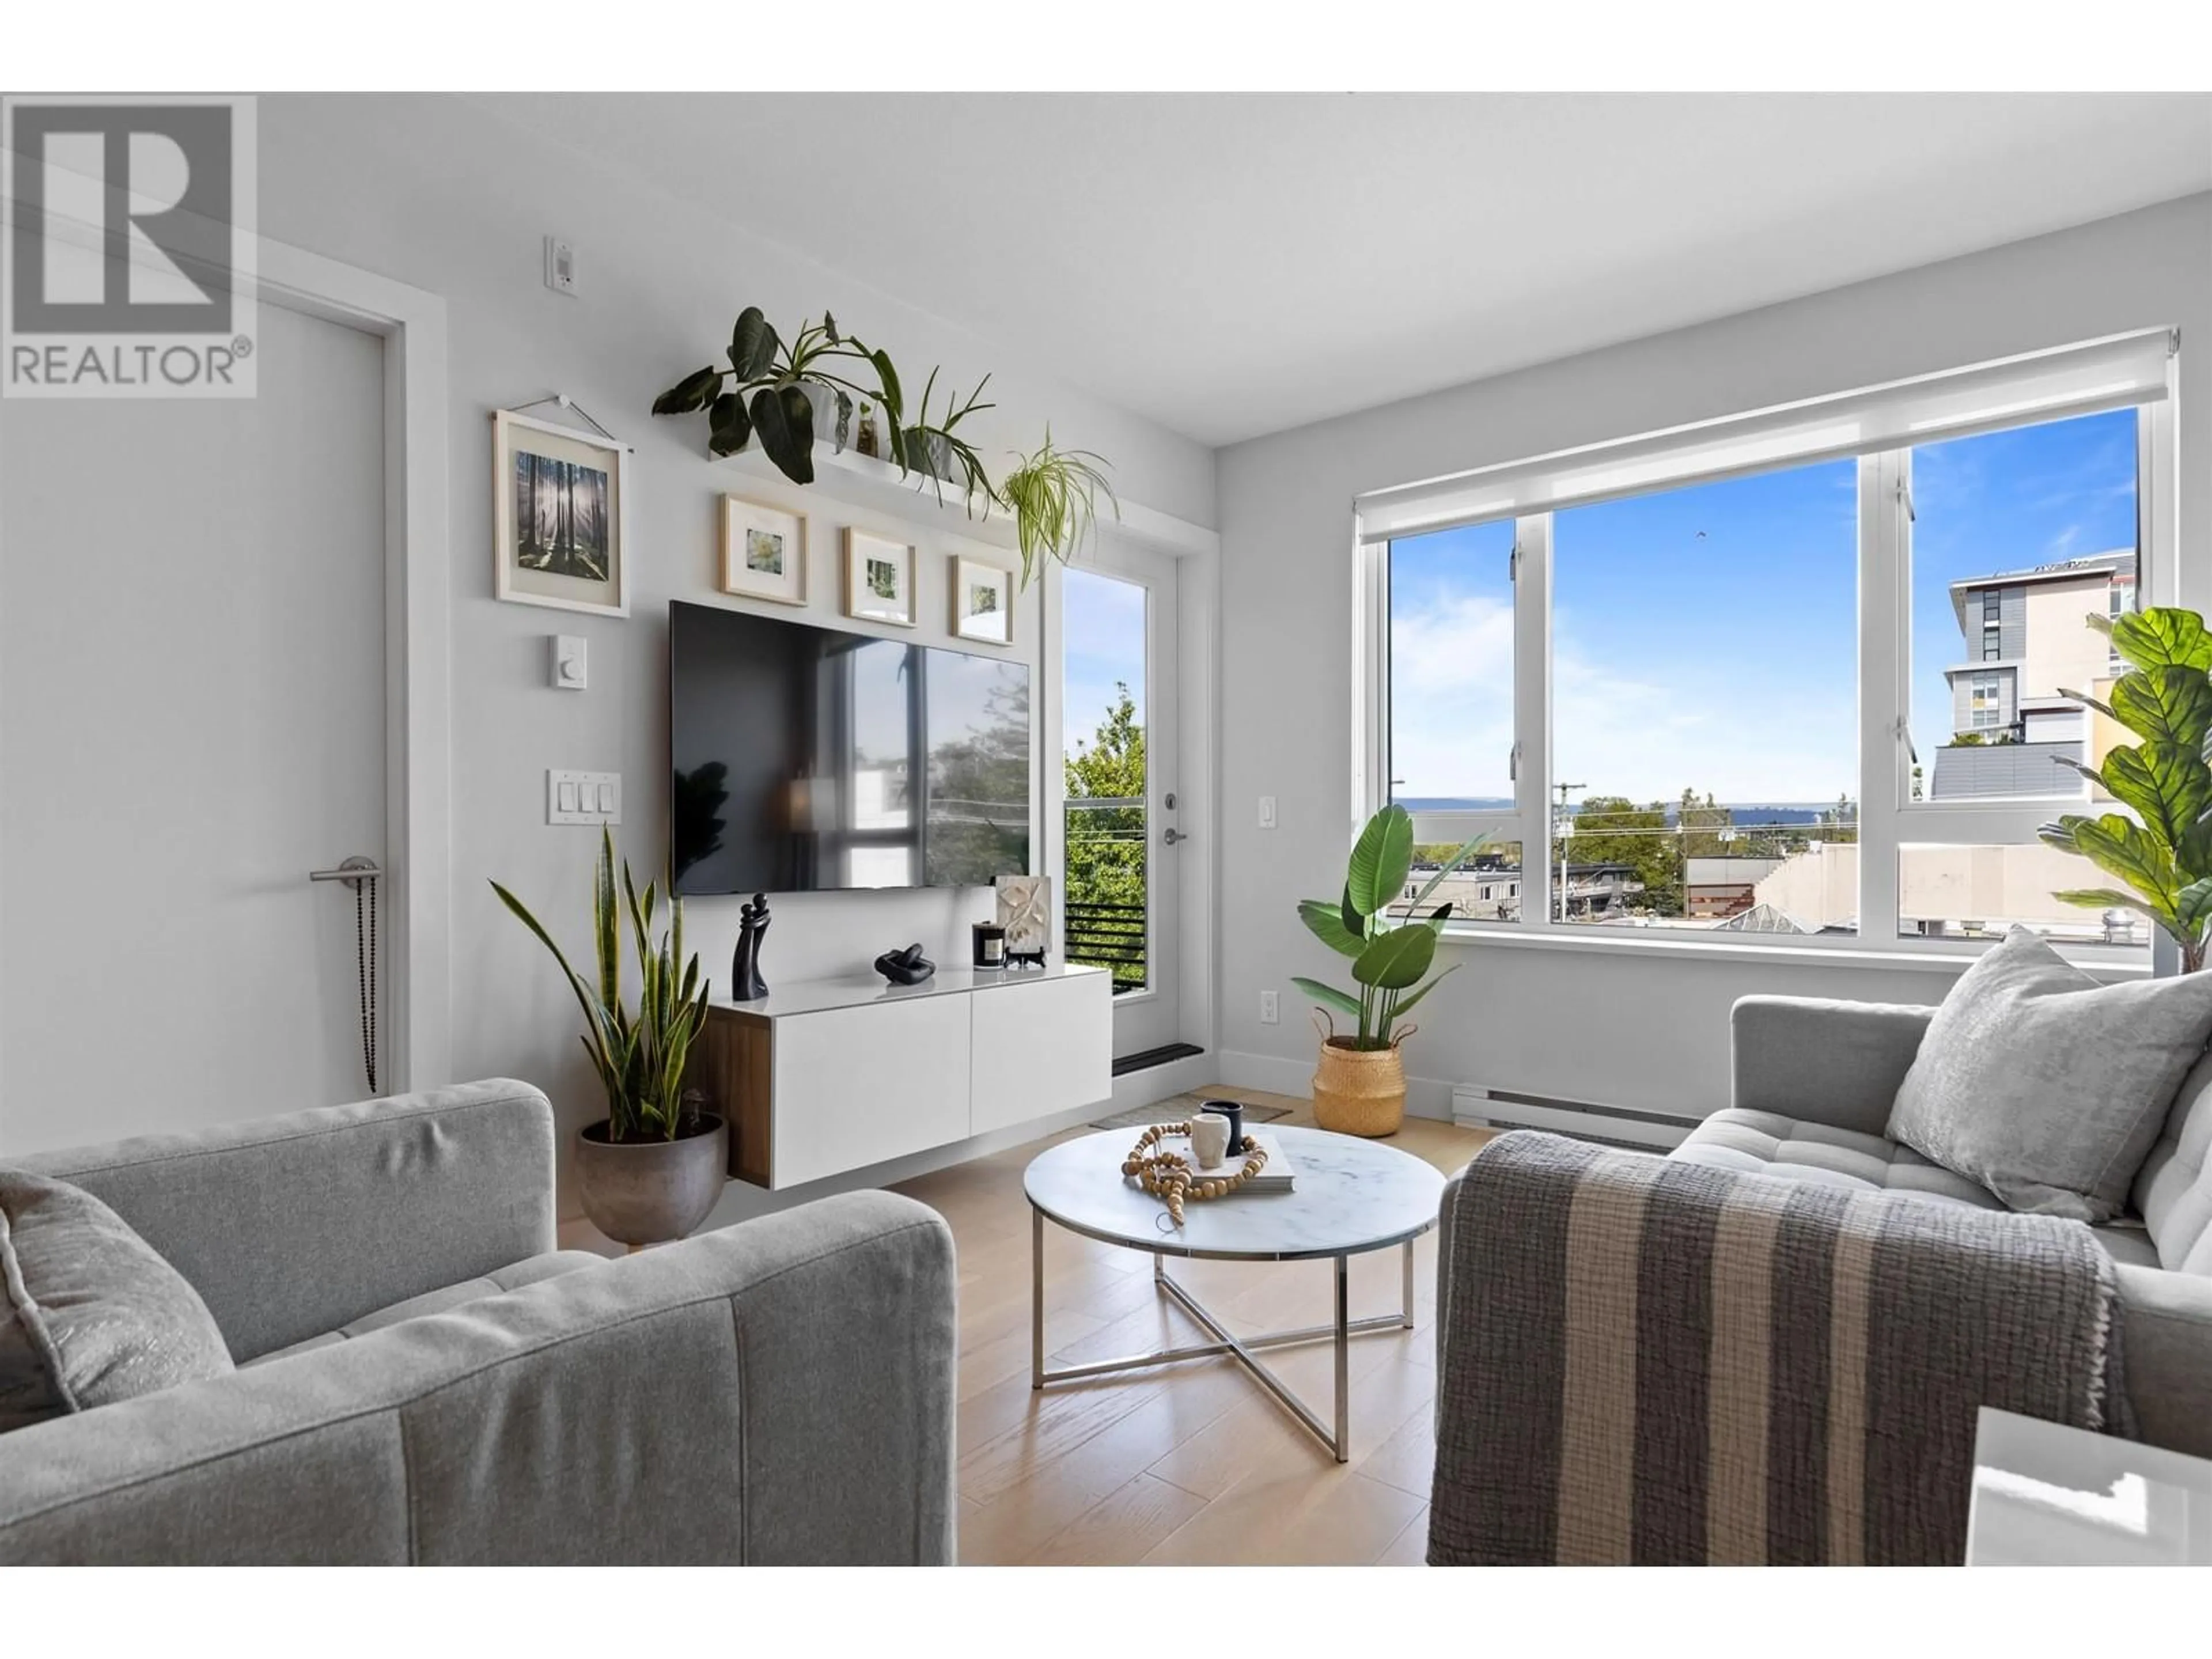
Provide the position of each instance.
(829, 1075)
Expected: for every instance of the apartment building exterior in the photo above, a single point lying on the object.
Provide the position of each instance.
(2027, 639)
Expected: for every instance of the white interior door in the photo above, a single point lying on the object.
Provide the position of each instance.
(1121, 841)
(192, 718)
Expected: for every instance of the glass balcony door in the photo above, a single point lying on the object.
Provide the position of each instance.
(1119, 889)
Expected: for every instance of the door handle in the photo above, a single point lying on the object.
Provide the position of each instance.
(1171, 836)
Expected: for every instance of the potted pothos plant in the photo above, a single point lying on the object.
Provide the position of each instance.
(653, 1168)
(1359, 1085)
(2163, 854)
(789, 394)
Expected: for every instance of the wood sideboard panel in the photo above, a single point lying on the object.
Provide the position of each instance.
(735, 1064)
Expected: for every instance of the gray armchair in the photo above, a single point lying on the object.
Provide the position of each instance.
(422, 1377)
(1779, 1356)
(1813, 1084)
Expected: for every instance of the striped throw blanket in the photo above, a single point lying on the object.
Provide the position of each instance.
(1650, 1362)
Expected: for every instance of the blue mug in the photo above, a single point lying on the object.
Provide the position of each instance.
(1234, 1111)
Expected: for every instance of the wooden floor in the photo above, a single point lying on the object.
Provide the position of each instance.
(1190, 1462)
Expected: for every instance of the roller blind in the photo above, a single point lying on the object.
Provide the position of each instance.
(2114, 373)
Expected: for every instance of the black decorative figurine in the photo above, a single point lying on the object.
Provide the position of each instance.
(907, 967)
(746, 984)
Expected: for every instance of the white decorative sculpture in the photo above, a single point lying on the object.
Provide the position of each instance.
(1025, 912)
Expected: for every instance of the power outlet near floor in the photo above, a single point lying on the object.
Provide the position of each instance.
(1271, 1008)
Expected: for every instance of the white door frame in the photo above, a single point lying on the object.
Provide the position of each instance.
(1197, 553)
(418, 1053)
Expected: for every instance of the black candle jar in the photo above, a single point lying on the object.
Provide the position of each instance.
(990, 944)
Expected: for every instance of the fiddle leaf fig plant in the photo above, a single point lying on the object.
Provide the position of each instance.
(2163, 854)
(1388, 960)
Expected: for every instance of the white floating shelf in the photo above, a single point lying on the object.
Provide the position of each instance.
(877, 478)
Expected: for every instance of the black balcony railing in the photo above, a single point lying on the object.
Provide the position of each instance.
(1109, 936)
(1106, 913)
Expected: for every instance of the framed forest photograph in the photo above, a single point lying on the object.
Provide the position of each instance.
(561, 517)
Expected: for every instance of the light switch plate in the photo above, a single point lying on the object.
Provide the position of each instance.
(571, 662)
(583, 797)
(1267, 812)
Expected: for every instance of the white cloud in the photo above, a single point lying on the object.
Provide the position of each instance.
(1713, 723)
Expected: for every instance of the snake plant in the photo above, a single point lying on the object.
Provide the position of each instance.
(1386, 962)
(2163, 854)
(640, 1058)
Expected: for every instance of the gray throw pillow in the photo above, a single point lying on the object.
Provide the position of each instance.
(2044, 1086)
(89, 1314)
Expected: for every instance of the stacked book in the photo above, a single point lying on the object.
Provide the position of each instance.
(1276, 1176)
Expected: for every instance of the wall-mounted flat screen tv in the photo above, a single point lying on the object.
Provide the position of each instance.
(811, 758)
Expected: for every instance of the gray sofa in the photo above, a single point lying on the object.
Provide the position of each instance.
(1813, 1084)
(423, 1378)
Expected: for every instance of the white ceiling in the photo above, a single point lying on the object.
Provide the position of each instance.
(1231, 264)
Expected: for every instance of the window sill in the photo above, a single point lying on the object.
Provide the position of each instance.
(1950, 961)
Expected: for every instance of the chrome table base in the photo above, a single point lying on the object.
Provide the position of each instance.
(1243, 1350)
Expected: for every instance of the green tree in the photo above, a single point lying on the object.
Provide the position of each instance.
(1614, 829)
(1106, 846)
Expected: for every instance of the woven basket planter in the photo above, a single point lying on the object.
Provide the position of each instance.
(1359, 1092)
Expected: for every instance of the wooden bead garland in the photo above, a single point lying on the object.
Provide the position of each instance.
(1167, 1175)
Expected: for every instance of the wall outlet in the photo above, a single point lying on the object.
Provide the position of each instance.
(1267, 812)
(1271, 1008)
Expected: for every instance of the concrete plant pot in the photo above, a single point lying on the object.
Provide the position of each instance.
(648, 1192)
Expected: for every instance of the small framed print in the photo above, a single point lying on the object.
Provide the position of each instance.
(983, 601)
(878, 578)
(561, 517)
(764, 551)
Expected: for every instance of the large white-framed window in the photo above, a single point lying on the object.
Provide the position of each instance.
(1911, 647)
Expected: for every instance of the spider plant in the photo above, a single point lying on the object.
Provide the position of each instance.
(1053, 495)
(640, 1058)
(788, 393)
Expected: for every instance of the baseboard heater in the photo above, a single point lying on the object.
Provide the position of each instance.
(1612, 1125)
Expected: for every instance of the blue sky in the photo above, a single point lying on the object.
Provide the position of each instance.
(1707, 637)
(1104, 639)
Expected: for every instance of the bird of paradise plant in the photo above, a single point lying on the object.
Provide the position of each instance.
(1387, 961)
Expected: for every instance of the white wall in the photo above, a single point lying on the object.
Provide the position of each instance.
(1640, 1032)
(443, 193)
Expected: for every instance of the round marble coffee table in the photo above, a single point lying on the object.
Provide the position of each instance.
(1352, 1196)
